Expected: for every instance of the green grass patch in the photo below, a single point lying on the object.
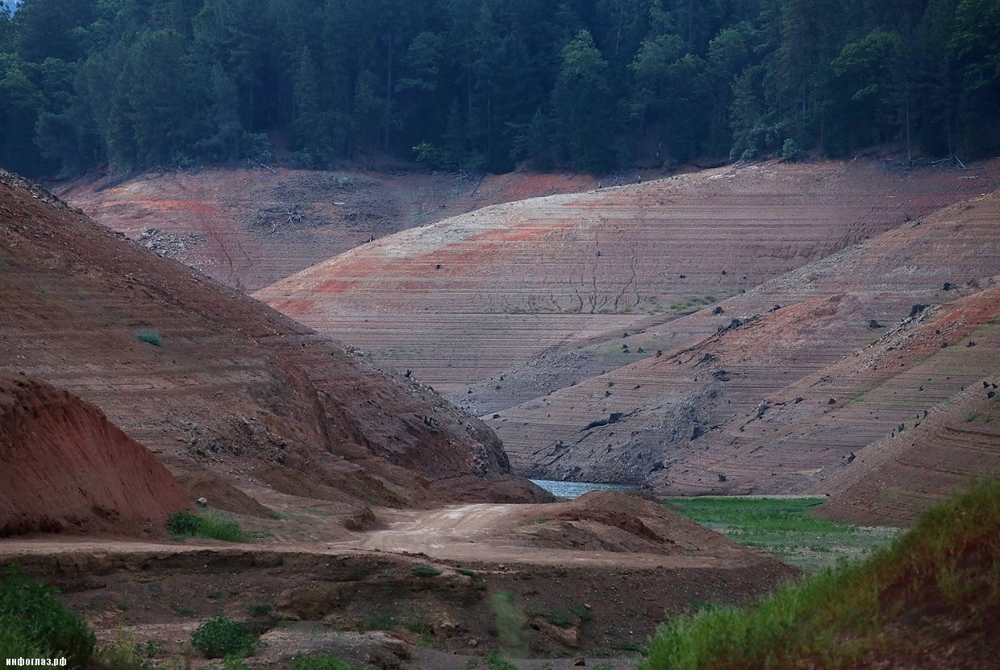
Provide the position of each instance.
(533, 522)
(785, 527)
(33, 624)
(971, 416)
(836, 618)
(425, 571)
(185, 524)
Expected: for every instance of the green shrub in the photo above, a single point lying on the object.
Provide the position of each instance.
(124, 654)
(425, 571)
(186, 524)
(220, 637)
(33, 623)
(320, 662)
(509, 618)
(149, 337)
(496, 661)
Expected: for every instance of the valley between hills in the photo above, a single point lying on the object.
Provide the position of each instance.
(363, 370)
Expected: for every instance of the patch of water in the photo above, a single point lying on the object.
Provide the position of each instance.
(577, 489)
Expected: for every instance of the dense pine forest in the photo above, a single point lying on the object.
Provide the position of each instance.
(589, 85)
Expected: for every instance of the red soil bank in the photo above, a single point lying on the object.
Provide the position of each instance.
(65, 467)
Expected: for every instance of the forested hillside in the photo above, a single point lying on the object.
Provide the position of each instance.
(481, 84)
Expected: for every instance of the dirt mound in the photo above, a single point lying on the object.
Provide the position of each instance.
(207, 378)
(65, 468)
(610, 521)
(220, 494)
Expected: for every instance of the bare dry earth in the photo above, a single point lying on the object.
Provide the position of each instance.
(595, 575)
(769, 391)
(248, 228)
(232, 388)
(313, 451)
(470, 298)
(779, 403)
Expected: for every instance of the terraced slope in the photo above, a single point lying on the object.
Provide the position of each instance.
(247, 228)
(865, 344)
(472, 297)
(209, 379)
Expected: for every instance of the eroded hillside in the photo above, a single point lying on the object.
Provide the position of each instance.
(209, 379)
(471, 297)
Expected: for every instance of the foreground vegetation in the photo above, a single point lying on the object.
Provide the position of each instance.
(784, 526)
(946, 564)
(33, 624)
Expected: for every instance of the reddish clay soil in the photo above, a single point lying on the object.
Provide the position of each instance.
(224, 384)
(248, 228)
(65, 468)
(477, 295)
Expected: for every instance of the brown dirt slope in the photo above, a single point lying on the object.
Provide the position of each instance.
(65, 467)
(476, 295)
(894, 479)
(216, 379)
(248, 228)
(777, 400)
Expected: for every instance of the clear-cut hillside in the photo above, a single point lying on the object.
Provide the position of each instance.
(799, 375)
(471, 297)
(210, 379)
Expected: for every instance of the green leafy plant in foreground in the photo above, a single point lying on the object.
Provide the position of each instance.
(835, 617)
(34, 624)
(219, 637)
(186, 524)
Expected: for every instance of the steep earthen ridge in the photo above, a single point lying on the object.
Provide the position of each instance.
(798, 375)
(201, 373)
(65, 468)
(470, 297)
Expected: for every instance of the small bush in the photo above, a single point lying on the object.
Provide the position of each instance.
(320, 662)
(125, 654)
(149, 337)
(509, 618)
(496, 661)
(220, 637)
(186, 524)
(466, 571)
(425, 571)
(34, 624)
